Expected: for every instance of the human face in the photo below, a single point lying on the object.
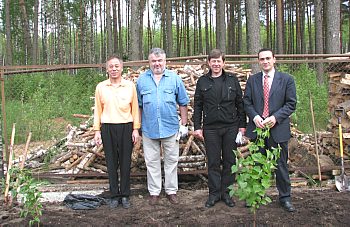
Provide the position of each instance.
(157, 63)
(216, 65)
(266, 61)
(114, 69)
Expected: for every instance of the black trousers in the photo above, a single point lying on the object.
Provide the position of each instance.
(282, 173)
(117, 145)
(219, 144)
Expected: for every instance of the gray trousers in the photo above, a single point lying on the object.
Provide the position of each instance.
(152, 151)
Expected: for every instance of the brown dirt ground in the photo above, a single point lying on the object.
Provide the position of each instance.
(315, 207)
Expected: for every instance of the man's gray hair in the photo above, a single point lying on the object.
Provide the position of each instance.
(157, 51)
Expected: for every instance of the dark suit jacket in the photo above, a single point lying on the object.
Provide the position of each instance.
(282, 103)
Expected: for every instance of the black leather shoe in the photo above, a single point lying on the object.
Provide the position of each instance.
(125, 202)
(113, 202)
(228, 201)
(210, 202)
(288, 206)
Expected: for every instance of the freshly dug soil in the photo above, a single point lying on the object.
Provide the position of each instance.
(315, 207)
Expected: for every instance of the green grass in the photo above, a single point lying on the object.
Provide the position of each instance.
(44, 103)
(305, 80)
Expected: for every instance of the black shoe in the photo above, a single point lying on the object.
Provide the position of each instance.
(113, 202)
(125, 202)
(288, 206)
(210, 202)
(228, 201)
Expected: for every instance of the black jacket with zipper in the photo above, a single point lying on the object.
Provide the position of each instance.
(212, 112)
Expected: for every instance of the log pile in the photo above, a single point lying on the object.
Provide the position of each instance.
(339, 108)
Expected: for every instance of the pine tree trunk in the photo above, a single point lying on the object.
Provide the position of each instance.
(35, 32)
(115, 26)
(239, 28)
(169, 28)
(220, 25)
(253, 30)
(333, 27)
(8, 34)
(319, 38)
(26, 30)
(200, 38)
(280, 29)
(134, 31)
(110, 47)
(206, 22)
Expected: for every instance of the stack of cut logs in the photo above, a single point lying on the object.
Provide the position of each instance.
(339, 107)
(82, 155)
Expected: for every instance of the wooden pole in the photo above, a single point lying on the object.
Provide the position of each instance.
(315, 135)
(7, 186)
(4, 131)
(26, 151)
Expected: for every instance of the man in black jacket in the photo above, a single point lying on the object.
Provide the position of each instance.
(218, 116)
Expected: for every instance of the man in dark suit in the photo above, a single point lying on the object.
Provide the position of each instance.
(269, 100)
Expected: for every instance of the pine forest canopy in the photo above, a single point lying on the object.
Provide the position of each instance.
(87, 31)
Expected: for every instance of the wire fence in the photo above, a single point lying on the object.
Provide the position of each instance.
(45, 99)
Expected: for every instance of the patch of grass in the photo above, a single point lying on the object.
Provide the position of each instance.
(305, 81)
(44, 103)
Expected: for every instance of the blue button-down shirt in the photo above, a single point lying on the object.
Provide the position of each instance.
(159, 103)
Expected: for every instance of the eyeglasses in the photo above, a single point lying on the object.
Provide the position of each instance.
(267, 59)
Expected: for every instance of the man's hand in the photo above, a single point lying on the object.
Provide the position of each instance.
(198, 134)
(269, 121)
(97, 138)
(183, 132)
(242, 130)
(258, 121)
(135, 136)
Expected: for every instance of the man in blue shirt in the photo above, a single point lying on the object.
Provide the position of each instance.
(159, 92)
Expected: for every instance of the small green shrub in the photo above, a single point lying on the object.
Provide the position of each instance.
(254, 172)
(22, 183)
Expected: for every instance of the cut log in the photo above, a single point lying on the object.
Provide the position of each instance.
(81, 116)
(192, 158)
(86, 158)
(96, 181)
(345, 81)
(191, 164)
(74, 163)
(188, 145)
(64, 157)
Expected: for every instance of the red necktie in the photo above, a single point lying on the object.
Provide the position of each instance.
(266, 96)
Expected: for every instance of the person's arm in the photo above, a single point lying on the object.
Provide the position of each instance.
(240, 106)
(183, 115)
(135, 112)
(249, 106)
(197, 108)
(97, 117)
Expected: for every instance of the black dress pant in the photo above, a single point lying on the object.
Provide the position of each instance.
(219, 144)
(282, 173)
(117, 145)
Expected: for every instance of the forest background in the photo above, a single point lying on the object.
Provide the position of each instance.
(87, 31)
(64, 32)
